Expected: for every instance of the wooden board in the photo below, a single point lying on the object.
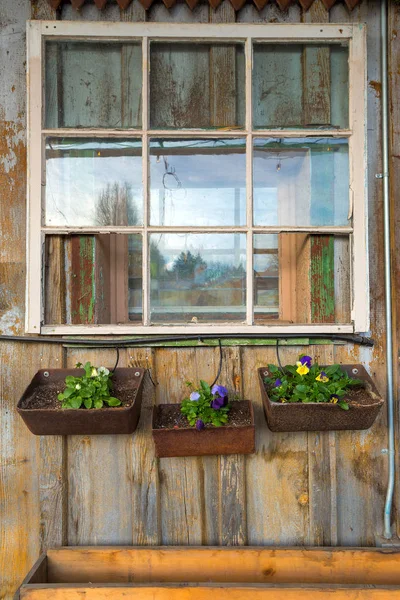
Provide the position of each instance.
(209, 592)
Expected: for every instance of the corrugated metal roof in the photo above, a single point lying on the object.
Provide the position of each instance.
(237, 4)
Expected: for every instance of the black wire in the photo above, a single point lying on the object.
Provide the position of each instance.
(116, 364)
(220, 363)
(130, 342)
(151, 379)
(277, 356)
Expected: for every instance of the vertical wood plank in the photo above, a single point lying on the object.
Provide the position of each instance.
(233, 517)
(100, 475)
(145, 481)
(182, 489)
(361, 467)
(394, 100)
(277, 490)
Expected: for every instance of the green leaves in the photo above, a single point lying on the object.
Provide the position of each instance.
(290, 386)
(92, 390)
(201, 409)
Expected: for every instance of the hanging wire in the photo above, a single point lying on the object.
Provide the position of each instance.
(278, 358)
(220, 363)
(151, 379)
(116, 364)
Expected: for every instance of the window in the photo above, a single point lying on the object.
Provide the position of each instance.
(202, 178)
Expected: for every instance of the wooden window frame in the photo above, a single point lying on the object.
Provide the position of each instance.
(40, 31)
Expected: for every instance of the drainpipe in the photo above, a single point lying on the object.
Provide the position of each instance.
(388, 276)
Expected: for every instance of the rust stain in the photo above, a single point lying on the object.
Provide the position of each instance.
(377, 87)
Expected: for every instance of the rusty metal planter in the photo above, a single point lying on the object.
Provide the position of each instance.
(51, 421)
(214, 440)
(319, 416)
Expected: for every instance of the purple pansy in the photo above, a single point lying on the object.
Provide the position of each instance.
(218, 403)
(278, 383)
(322, 374)
(306, 360)
(194, 396)
(219, 390)
(199, 425)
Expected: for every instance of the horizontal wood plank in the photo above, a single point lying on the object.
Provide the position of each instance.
(235, 565)
(210, 592)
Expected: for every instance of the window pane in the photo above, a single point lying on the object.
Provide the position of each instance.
(301, 182)
(93, 279)
(300, 85)
(93, 182)
(93, 84)
(197, 278)
(196, 85)
(198, 182)
(301, 278)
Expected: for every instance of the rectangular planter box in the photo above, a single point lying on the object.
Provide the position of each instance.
(50, 421)
(216, 440)
(209, 573)
(319, 416)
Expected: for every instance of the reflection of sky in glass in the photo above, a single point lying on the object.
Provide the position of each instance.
(301, 182)
(78, 171)
(228, 248)
(198, 182)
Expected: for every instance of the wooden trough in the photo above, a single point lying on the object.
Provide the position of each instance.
(209, 573)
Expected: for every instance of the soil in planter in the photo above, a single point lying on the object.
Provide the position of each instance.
(169, 416)
(359, 396)
(45, 396)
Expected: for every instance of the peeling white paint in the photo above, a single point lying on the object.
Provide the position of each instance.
(10, 322)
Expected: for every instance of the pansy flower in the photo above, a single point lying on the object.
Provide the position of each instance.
(218, 403)
(278, 383)
(194, 396)
(334, 398)
(322, 377)
(199, 425)
(305, 360)
(219, 390)
(302, 369)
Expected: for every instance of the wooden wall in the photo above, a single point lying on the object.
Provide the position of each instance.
(306, 488)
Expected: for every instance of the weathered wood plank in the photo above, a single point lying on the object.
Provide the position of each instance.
(394, 85)
(368, 566)
(100, 475)
(208, 592)
(277, 474)
(181, 489)
(145, 482)
(361, 467)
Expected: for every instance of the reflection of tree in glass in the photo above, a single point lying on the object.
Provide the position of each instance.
(115, 205)
(187, 265)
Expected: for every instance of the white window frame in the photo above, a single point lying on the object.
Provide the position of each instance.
(40, 31)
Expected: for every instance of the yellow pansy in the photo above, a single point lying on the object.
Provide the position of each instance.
(302, 369)
(322, 377)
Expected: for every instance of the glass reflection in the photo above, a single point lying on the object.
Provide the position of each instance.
(301, 278)
(301, 182)
(197, 278)
(196, 85)
(93, 182)
(97, 279)
(93, 84)
(300, 86)
(198, 182)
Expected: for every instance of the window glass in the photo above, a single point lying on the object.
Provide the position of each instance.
(93, 182)
(197, 278)
(196, 85)
(198, 182)
(300, 85)
(93, 279)
(93, 84)
(301, 182)
(301, 278)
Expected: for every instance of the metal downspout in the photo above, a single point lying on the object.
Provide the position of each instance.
(388, 281)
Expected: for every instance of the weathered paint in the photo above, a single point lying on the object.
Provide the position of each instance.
(297, 489)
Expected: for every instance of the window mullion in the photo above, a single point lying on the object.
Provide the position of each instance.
(145, 157)
(249, 185)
